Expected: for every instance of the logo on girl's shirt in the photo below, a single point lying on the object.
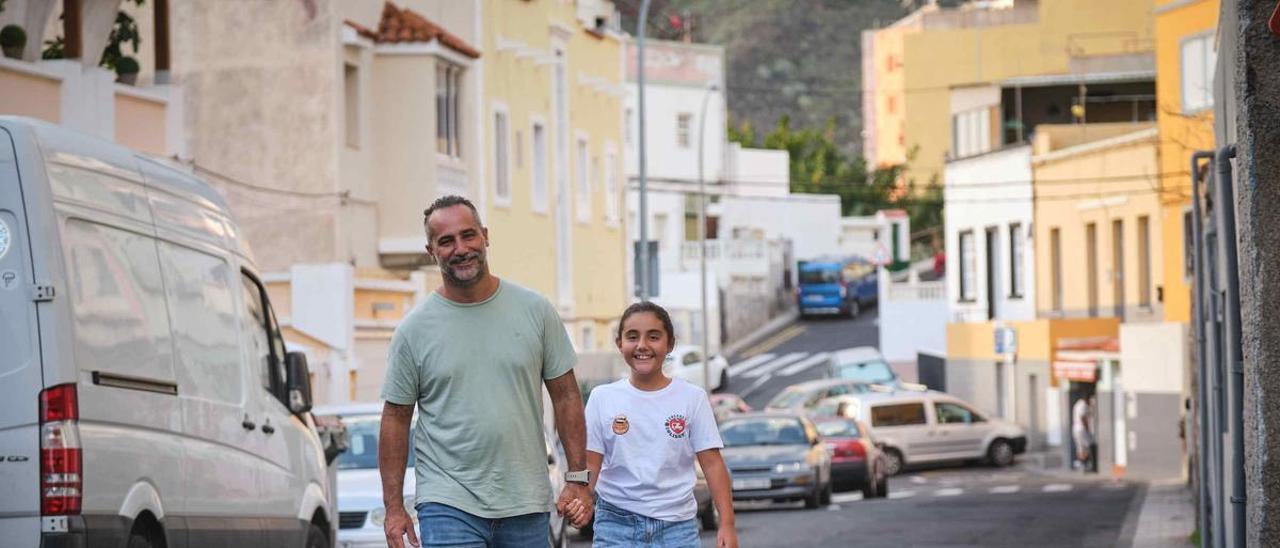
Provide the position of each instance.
(620, 425)
(677, 426)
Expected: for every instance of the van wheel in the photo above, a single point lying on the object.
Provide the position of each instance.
(854, 309)
(893, 462)
(145, 534)
(1000, 453)
(316, 537)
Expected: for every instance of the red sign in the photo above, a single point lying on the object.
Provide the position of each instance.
(1075, 371)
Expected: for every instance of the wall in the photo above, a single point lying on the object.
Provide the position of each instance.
(757, 172)
(1152, 381)
(810, 221)
(1001, 183)
(1112, 179)
(29, 92)
(913, 318)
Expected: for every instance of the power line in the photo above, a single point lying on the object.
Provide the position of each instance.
(930, 201)
(1146, 178)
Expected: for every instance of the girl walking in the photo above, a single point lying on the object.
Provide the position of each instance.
(643, 435)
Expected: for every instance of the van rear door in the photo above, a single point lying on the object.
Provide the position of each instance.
(20, 369)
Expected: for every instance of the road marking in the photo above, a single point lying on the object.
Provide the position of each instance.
(775, 365)
(754, 386)
(1005, 489)
(919, 480)
(820, 357)
(846, 497)
(948, 492)
(738, 368)
(786, 335)
(901, 494)
(1057, 488)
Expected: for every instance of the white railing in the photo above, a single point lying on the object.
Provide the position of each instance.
(918, 291)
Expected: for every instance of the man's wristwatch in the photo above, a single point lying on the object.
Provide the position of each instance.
(581, 476)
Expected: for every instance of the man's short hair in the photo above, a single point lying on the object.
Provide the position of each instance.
(444, 202)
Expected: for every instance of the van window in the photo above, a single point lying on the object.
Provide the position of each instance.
(202, 308)
(117, 299)
(950, 413)
(825, 276)
(362, 451)
(263, 338)
(904, 414)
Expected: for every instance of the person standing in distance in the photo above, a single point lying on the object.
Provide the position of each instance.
(472, 357)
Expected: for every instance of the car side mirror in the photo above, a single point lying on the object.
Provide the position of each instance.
(299, 382)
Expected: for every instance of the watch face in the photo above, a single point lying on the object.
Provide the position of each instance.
(5, 238)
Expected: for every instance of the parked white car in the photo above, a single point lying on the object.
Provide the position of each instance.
(360, 510)
(147, 394)
(686, 362)
(929, 426)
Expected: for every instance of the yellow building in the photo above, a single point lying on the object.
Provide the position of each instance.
(1184, 68)
(1036, 60)
(553, 103)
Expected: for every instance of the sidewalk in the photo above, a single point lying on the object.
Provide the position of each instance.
(1168, 516)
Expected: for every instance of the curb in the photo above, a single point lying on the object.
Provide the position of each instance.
(767, 330)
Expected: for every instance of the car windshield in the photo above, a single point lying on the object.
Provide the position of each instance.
(362, 452)
(787, 399)
(875, 371)
(838, 429)
(763, 431)
(819, 276)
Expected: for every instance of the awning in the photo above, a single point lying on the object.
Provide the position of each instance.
(1079, 371)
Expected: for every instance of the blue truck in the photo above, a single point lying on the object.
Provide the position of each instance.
(836, 286)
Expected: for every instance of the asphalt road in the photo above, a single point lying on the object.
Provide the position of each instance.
(794, 354)
(952, 507)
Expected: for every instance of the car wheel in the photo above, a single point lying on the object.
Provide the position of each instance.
(814, 499)
(882, 488)
(893, 462)
(826, 494)
(854, 309)
(870, 489)
(316, 537)
(710, 518)
(1000, 453)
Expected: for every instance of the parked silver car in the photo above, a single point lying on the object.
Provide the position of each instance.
(777, 456)
(801, 397)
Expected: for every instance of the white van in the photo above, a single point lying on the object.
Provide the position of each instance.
(929, 426)
(146, 397)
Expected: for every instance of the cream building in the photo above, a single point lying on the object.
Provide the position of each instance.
(552, 154)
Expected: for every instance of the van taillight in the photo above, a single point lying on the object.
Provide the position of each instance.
(60, 457)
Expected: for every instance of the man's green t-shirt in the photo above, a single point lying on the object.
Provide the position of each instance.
(475, 371)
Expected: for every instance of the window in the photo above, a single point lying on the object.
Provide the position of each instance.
(1188, 245)
(351, 100)
(1016, 245)
(906, 414)
(838, 429)
(950, 413)
(971, 132)
(691, 358)
(1144, 261)
(448, 103)
(1198, 60)
(1055, 258)
(263, 337)
(588, 338)
(968, 267)
(539, 167)
(501, 157)
(684, 121)
(610, 187)
(583, 177)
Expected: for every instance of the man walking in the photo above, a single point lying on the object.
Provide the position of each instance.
(472, 357)
(1082, 433)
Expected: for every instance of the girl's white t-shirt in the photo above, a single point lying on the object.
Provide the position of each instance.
(649, 441)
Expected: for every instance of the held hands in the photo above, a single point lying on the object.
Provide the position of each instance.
(575, 505)
(397, 525)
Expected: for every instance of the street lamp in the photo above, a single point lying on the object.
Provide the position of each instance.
(643, 252)
(702, 238)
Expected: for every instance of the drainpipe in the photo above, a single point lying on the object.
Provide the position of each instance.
(1197, 315)
(1232, 351)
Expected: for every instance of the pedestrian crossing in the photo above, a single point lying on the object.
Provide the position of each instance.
(770, 365)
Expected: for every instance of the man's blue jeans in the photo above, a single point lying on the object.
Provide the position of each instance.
(441, 525)
(615, 527)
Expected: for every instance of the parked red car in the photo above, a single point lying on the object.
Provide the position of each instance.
(856, 460)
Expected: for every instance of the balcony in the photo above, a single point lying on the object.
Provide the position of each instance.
(735, 257)
(87, 99)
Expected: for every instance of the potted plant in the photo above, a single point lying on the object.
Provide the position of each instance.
(127, 70)
(13, 39)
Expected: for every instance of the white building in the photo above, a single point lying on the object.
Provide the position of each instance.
(990, 264)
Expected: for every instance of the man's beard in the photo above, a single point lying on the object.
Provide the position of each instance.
(452, 275)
